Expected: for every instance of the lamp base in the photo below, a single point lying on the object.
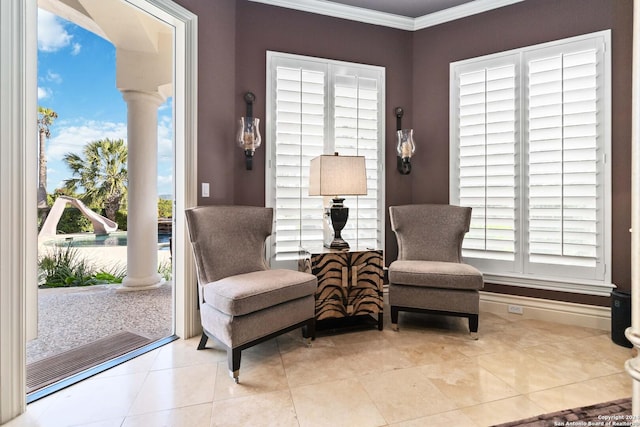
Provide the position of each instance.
(339, 214)
(338, 244)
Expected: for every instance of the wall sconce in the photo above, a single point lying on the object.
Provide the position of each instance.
(249, 133)
(406, 145)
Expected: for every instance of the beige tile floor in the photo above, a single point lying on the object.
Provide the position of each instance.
(430, 373)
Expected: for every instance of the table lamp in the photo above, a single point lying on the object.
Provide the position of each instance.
(334, 175)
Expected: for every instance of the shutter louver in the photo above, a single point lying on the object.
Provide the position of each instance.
(299, 123)
(356, 134)
(487, 129)
(563, 152)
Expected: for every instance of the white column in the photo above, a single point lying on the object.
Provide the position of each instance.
(633, 333)
(142, 201)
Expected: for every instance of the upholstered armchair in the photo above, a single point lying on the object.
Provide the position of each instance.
(429, 275)
(242, 301)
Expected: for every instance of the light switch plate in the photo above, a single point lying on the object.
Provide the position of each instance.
(205, 189)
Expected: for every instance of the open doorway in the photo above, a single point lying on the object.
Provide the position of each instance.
(91, 299)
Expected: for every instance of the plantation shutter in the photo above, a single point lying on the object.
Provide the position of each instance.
(356, 133)
(300, 134)
(317, 107)
(487, 128)
(565, 195)
(530, 133)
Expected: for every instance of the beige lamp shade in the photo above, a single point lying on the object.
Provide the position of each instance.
(334, 175)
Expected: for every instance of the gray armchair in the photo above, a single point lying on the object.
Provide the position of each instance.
(242, 301)
(429, 275)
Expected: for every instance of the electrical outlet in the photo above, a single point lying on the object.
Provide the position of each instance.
(515, 309)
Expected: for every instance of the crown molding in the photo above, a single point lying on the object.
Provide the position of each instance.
(353, 13)
(457, 12)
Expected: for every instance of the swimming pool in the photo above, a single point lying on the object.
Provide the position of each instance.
(98, 241)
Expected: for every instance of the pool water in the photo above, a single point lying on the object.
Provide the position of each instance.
(96, 241)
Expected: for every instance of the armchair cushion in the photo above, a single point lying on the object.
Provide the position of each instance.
(246, 293)
(435, 274)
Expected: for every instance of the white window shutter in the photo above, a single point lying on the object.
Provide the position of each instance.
(356, 133)
(316, 107)
(565, 195)
(300, 134)
(530, 134)
(487, 130)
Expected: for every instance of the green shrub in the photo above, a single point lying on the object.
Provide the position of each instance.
(165, 208)
(72, 221)
(64, 267)
(82, 275)
(165, 269)
(121, 219)
(114, 274)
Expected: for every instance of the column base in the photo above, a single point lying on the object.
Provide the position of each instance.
(141, 284)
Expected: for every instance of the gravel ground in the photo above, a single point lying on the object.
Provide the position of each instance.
(70, 317)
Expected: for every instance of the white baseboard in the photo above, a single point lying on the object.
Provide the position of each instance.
(589, 316)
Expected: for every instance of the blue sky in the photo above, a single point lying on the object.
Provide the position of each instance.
(77, 79)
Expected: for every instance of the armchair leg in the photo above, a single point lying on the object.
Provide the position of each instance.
(203, 341)
(309, 331)
(233, 361)
(394, 317)
(473, 326)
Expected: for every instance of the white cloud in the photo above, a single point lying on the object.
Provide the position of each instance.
(75, 49)
(43, 93)
(165, 183)
(165, 139)
(72, 139)
(52, 35)
(164, 180)
(53, 77)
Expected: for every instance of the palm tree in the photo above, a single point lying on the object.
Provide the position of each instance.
(46, 117)
(102, 173)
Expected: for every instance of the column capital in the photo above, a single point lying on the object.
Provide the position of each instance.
(141, 95)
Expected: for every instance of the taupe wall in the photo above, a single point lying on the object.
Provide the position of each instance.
(216, 97)
(234, 38)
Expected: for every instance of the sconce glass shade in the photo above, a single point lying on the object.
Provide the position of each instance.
(406, 145)
(249, 134)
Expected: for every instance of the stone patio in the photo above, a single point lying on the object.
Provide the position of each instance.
(70, 317)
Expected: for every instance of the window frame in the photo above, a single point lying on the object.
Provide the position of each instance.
(331, 69)
(521, 275)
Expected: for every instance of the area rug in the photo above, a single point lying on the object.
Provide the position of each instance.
(50, 370)
(614, 413)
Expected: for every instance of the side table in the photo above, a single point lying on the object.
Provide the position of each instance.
(349, 282)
